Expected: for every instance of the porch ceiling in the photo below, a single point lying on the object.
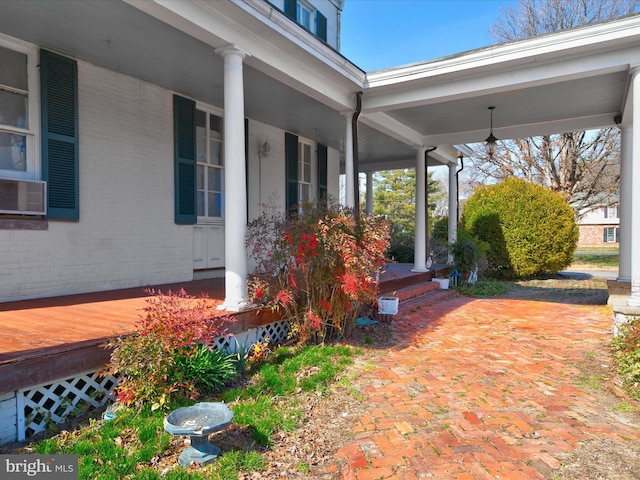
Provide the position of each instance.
(561, 82)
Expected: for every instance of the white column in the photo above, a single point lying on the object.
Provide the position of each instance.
(453, 207)
(626, 172)
(235, 194)
(369, 205)
(349, 169)
(420, 245)
(634, 300)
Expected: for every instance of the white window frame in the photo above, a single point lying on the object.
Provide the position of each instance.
(301, 7)
(611, 232)
(302, 183)
(207, 220)
(611, 211)
(32, 132)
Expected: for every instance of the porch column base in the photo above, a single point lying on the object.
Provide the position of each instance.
(234, 306)
(619, 291)
(419, 269)
(623, 314)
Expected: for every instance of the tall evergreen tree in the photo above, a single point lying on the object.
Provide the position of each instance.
(394, 196)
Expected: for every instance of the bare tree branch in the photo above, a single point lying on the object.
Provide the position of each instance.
(582, 166)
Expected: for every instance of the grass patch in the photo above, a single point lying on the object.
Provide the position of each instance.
(597, 260)
(483, 288)
(597, 249)
(130, 445)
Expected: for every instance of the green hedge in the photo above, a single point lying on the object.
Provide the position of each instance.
(529, 229)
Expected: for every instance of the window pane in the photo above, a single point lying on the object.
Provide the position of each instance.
(201, 119)
(304, 16)
(13, 109)
(13, 69)
(200, 202)
(200, 180)
(304, 193)
(216, 152)
(609, 233)
(307, 172)
(215, 126)
(215, 205)
(214, 180)
(201, 136)
(13, 152)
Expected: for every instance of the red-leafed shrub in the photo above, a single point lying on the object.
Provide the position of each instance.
(317, 267)
(172, 353)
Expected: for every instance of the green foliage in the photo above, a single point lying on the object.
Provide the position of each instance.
(439, 240)
(440, 232)
(394, 197)
(529, 230)
(316, 267)
(115, 448)
(401, 254)
(468, 253)
(483, 288)
(131, 445)
(626, 353)
(204, 369)
(170, 352)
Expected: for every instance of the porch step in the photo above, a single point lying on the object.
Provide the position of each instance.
(422, 293)
(431, 298)
(411, 291)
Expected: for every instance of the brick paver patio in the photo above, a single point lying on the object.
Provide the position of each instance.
(479, 389)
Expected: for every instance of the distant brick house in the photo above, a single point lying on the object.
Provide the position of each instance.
(600, 228)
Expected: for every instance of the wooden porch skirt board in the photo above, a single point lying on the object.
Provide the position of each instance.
(18, 371)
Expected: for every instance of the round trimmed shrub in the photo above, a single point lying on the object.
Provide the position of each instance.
(529, 229)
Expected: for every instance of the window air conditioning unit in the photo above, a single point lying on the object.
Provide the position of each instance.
(23, 197)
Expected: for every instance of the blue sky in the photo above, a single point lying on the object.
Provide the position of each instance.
(377, 34)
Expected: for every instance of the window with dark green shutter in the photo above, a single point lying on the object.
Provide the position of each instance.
(184, 126)
(322, 172)
(291, 171)
(59, 102)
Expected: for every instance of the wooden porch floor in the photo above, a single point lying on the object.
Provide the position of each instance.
(46, 339)
(32, 325)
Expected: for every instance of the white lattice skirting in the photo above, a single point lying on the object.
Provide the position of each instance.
(41, 405)
(54, 402)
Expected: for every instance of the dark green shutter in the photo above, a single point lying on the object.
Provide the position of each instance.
(321, 26)
(59, 117)
(322, 172)
(291, 171)
(184, 146)
(290, 9)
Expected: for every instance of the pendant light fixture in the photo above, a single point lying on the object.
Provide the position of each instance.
(490, 142)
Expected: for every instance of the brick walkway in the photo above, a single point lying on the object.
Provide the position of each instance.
(480, 389)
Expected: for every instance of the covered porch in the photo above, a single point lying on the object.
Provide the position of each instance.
(51, 338)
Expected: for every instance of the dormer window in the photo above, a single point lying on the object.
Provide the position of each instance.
(305, 14)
